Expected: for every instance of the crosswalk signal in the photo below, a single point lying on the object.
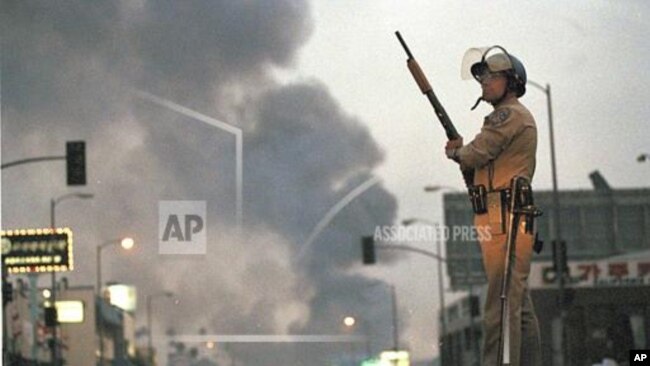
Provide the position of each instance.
(75, 157)
(368, 250)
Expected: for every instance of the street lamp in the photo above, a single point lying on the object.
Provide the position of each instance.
(149, 299)
(53, 203)
(556, 214)
(56, 201)
(443, 314)
(126, 243)
(441, 289)
(352, 323)
(436, 188)
(349, 321)
(393, 298)
(474, 340)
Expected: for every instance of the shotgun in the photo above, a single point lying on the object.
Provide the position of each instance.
(425, 87)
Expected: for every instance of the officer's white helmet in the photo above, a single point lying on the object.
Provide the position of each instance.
(493, 59)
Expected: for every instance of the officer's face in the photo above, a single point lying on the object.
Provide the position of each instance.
(493, 86)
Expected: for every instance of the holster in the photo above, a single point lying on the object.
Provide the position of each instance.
(478, 198)
(525, 204)
(494, 203)
(526, 200)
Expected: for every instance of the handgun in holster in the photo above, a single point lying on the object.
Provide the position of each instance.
(478, 198)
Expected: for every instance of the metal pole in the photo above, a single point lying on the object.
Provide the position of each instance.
(557, 232)
(149, 340)
(31, 160)
(366, 333)
(5, 328)
(53, 348)
(149, 300)
(100, 295)
(395, 330)
(557, 227)
(100, 319)
(472, 335)
(33, 313)
(441, 294)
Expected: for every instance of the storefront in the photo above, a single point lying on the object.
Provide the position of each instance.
(607, 309)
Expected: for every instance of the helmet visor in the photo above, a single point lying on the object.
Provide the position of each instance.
(480, 60)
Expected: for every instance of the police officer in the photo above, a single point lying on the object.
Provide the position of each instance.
(504, 148)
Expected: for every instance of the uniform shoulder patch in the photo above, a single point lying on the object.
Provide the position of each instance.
(498, 117)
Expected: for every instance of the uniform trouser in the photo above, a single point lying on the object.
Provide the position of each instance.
(525, 348)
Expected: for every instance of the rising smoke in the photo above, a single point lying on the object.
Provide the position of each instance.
(67, 69)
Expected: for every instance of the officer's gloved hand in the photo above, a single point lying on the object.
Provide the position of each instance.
(451, 149)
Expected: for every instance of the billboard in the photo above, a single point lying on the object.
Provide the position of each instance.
(619, 271)
(37, 250)
(70, 311)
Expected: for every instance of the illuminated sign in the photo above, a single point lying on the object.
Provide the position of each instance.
(37, 250)
(123, 296)
(394, 358)
(71, 311)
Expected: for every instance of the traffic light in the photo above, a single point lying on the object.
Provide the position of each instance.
(368, 250)
(7, 292)
(50, 316)
(75, 157)
(560, 264)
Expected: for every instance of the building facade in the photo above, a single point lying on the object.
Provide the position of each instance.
(81, 314)
(607, 299)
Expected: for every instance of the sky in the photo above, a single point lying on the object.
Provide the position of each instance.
(324, 102)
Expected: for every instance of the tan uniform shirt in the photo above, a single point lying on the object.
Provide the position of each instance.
(506, 145)
(505, 148)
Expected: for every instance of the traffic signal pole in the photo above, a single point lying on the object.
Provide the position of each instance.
(76, 175)
(75, 158)
(368, 247)
(31, 160)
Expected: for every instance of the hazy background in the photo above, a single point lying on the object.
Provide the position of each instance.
(322, 95)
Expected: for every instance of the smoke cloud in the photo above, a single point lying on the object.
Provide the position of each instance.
(67, 72)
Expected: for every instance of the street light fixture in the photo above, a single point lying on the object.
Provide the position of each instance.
(57, 200)
(353, 324)
(53, 203)
(443, 313)
(127, 244)
(349, 321)
(556, 216)
(441, 289)
(436, 188)
(149, 299)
